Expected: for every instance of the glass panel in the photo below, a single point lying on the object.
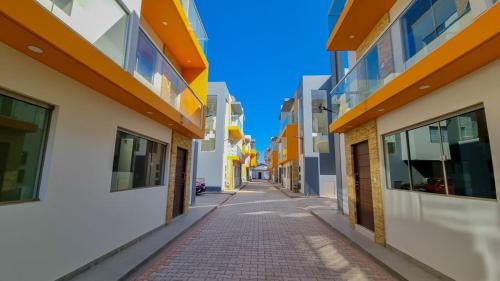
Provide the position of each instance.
(138, 162)
(422, 28)
(23, 129)
(396, 161)
(208, 144)
(196, 23)
(469, 167)
(156, 72)
(102, 22)
(425, 161)
(320, 124)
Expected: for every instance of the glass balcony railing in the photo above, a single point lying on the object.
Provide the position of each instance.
(287, 118)
(154, 70)
(336, 9)
(196, 23)
(236, 121)
(422, 27)
(104, 24)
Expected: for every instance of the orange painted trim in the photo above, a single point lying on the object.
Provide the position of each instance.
(357, 19)
(471, 49)
(235, 132)
(292, 143)
(67, 52)
(185, 48)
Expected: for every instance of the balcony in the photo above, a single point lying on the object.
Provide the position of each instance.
(235, 128)
(416, 55)
(93, 44)
(196, 23)
(289, 144)
(287, 118)
(234, 153)
(352, 20)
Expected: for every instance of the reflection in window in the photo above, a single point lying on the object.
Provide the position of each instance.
(451, 157)
(396, 161)
(138, 162)
(208, 144)
(146, 65)
(469, 167)
(320, 121)
(23, 130)
(425, 20)
(425, 161)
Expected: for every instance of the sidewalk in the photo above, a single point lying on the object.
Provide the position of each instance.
(399, 264)
(118, 265)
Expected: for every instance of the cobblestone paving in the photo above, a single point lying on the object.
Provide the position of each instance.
(259, 234)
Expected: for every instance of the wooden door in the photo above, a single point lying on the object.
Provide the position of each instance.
(362, 176)
(180, 182)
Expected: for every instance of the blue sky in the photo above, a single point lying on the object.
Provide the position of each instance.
(261, 48)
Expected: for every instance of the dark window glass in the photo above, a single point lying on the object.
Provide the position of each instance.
(23, 130)
(469, 167)
(209, 143)
(138, 162)
(425, 161)
(396, 161)
(458, 145)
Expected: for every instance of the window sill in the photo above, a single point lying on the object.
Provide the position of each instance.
(19, 202)
(444, 195)
(138, 188)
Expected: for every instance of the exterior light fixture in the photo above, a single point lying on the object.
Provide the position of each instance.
(423, 87)
(35, 49)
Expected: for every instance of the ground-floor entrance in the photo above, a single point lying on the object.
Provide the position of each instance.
(363, 187)
(180, 181)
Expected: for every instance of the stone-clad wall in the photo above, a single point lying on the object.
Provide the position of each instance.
(184, 142)
(373, 35)
(366, 132)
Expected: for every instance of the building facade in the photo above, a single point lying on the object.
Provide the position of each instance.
(288, 146)
(316, 145)
(417, 100)
(99, 104)
(224, 142)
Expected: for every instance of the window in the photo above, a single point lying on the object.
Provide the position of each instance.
(425, 20)
(319, 119)
(208, 144)
(138, 162)
(147, 60)
(23, 131)
(451, 156)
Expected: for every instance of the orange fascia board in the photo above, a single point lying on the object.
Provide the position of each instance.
(67, 52)
(357, 19)
(235, 132)
(474, 47)
(177, 34)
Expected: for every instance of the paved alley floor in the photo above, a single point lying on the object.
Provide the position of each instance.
(260, 234)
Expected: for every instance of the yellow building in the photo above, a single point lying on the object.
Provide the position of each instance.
(413, 108)
(100, 103)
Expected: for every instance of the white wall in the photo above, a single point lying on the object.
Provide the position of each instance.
(77, 219)
(214, 174)
(457, 236)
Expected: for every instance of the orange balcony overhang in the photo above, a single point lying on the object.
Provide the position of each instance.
(355, 23)
(168, 19)
(474, 47)
(235, 132)
(67, 52)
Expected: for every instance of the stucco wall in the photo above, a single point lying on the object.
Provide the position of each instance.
(77, 218)
(457, 236)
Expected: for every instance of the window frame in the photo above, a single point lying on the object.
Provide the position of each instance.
(166, 160)
(47, 132)
(435, 120)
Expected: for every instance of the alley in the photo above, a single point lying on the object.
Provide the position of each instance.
(260, 234)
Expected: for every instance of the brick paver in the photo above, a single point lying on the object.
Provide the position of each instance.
(259, 234)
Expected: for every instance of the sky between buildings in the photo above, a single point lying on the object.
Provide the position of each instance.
(261, 48)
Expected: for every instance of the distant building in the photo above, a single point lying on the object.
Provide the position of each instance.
(261, 172)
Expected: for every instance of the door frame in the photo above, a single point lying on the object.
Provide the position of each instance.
(183, 193)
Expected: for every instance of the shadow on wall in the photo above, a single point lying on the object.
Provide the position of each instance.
(455, 235)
